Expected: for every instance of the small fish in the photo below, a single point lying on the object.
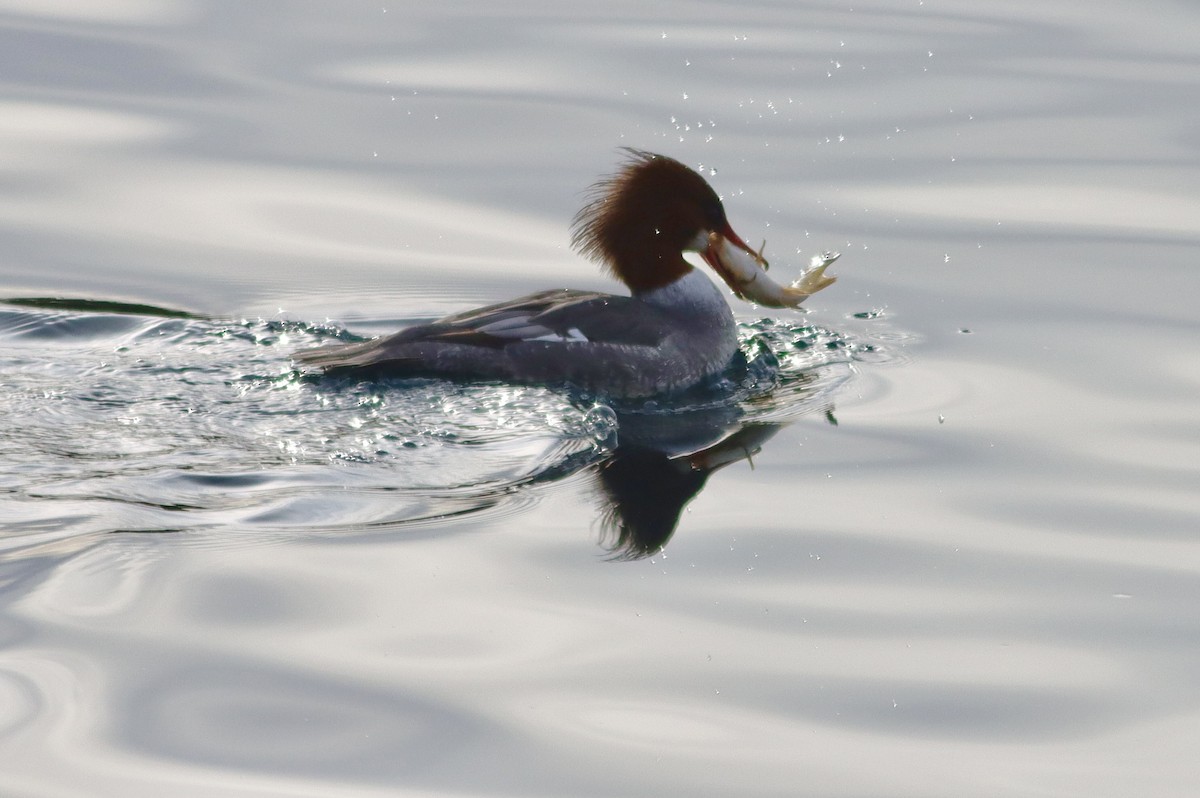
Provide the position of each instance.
(747, 273)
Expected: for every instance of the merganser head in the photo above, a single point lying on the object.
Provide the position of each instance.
(640, 221)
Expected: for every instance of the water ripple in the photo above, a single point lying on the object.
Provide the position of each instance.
(144, 419)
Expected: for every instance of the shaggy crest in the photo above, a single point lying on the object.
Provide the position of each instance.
(651, 208)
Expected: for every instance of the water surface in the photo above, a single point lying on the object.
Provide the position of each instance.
(939, 539)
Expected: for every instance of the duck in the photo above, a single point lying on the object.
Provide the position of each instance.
(673, 330)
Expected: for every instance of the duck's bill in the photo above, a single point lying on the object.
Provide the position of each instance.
(745, 271)
(730, 257)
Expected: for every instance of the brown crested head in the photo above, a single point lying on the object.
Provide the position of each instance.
(639, 221)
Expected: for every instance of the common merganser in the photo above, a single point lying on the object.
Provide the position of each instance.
(672, 332)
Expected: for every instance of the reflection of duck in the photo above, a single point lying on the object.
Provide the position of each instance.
(674, 330)
(655, 471)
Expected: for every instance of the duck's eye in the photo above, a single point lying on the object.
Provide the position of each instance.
(714, 216)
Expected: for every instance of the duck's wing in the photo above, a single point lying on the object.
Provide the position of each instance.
(558, 316)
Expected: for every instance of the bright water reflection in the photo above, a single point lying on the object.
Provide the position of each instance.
(981, 581)
(140, 419)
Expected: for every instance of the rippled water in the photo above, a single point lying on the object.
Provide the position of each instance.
(142, 419)
(938, 537)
